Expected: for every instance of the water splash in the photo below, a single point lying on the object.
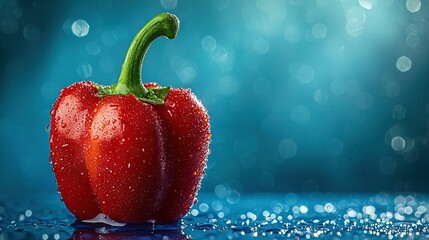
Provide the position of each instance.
(102, 218)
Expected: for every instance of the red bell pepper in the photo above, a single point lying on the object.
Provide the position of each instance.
(134, 152)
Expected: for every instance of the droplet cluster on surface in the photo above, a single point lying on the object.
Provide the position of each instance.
(316, 215)
(307, 216)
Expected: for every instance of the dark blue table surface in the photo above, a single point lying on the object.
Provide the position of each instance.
(303, 216)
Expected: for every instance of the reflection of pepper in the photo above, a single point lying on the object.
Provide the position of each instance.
(134, 152)
(92, 234)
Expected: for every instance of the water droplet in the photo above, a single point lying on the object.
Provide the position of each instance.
(399, 112)
(233, 197)
(338, 87)
(355, 21)
(413, 5)
(393, 89)
(398, 143)
(102, 218)
(169, 4)
(367, 4)
(208, 43)
(28, 213)
(303, 209)
(329, 207)
(84, 70)
(31, 33)
(261, 46)
(220, 54)
(287, 148)
(205, 227)
(204, 207)
(108, 39)
(93, 48)
(403, 64)
(413, 35)
(57, 236)
(80, 28)
(319, 30)
(320, 96)
(244, 229)
(304, 73)
(187, 74)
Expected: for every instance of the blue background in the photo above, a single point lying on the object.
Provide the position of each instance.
(303, 95)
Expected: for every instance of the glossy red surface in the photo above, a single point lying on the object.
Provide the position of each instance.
(187, 136)
(125, 158)
(69, 123)
(130, 160)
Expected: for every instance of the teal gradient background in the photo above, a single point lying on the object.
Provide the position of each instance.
(303, 95)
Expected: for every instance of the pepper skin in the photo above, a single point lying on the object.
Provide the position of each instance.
(135, 152)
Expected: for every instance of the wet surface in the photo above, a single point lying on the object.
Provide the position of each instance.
(303, 216)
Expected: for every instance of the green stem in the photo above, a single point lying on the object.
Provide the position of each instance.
(165, 24)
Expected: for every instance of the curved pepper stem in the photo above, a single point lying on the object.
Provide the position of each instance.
(165, 24)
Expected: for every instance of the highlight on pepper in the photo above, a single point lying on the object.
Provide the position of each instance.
(130, 152)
